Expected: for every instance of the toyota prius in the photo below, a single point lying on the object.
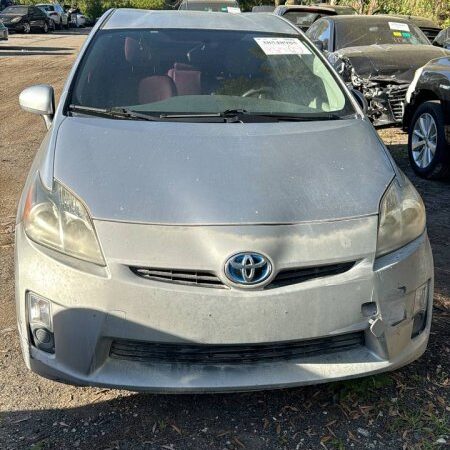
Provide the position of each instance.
(211, 210)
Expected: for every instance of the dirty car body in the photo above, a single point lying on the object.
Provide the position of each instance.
(377, 55)
(208, 227)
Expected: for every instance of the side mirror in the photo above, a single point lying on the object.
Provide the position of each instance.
(39, 99)
(359, 97)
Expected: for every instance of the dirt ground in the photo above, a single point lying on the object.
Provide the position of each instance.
(405, 409)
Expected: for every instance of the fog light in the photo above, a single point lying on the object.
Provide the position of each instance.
(419, 324)
(41, 324)
(39, 311)
(420, 310)
(421, 298)
(43, 339)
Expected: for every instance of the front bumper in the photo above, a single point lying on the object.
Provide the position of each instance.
(91, 309)
(14, 27)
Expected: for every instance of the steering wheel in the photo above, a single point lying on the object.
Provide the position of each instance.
(258, 92)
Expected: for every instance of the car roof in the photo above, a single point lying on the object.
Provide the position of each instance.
(328, 9)
(418, 20)
(378, 18)
(139, 18)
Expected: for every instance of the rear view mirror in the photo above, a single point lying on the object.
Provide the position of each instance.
(39, 99)
(359, 97)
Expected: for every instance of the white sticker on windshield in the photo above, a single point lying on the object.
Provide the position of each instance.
(233, 9)
(282, 46)
(399, 26)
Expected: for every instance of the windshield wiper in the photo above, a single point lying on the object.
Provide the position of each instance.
(114, 113)
(242, 115)
(227, 116)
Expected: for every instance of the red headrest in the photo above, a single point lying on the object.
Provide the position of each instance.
(156, 88)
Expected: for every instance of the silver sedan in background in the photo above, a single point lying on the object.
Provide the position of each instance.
(211, 210)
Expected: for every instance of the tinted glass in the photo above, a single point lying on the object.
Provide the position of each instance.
(19, 10)
(361, 32)
(194, 71)
(47, 7)
(301, 18)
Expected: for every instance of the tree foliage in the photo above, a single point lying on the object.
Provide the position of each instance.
(438, 10)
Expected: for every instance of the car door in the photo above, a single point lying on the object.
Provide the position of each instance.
(35, 17)
(41, 17)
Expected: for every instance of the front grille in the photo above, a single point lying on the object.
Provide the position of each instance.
(430, 33)
(397, 101)
(293, 276)
(151, 352)
(186, 277)
(285, 277)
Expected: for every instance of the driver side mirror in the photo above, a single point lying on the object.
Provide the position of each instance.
(359, 97)
(39, 99)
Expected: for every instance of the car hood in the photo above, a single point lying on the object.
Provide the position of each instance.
(197, 173)
(396, 63)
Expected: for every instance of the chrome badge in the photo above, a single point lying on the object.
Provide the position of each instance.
(248, 268)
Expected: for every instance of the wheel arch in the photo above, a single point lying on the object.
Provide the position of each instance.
(424, 95)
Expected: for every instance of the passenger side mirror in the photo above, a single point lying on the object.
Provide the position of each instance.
(39, 99)
(359, 97)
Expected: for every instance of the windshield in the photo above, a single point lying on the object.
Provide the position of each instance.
(302, 18)
(19, 10)
(360, 33)
(214, 6)
(178, 71)
(47, 7)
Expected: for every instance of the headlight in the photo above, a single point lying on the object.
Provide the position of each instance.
(402, 217)
(16, 19)
(60, 221)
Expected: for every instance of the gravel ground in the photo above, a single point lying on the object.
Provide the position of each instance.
(405, 409)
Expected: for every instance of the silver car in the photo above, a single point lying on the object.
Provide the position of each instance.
(210, 210)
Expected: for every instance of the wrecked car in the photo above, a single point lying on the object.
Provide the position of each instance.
(378, 55)
(427, 120)
(211, 210)
(443, 39)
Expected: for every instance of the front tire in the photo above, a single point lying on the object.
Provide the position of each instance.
(428, 151)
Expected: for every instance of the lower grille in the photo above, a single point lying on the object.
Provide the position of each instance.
(232, 354)
(397, 102)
